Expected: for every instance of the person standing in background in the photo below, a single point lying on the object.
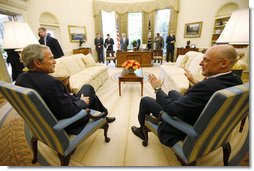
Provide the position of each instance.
(124, 42)
(109, 42)
(16, 66)
(159, 42)
(149, 43)
(170, 46)
(52, 43)
(98, 42)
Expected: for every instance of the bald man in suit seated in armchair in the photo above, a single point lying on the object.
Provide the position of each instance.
(40, 62)
(216, 67)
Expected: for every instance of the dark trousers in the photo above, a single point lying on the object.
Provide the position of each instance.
(95, 104)
(168, 135)
(147, 106)
(100, 55)
(170, 51)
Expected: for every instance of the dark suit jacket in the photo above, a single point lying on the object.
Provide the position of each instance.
(124, 44)
(168, 41)
(16, 65)
(109, 42)
(54, 46)
(189, 106)
(55, 95)
(97, 43)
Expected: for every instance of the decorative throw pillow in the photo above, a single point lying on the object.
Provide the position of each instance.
(88, 59)
(180, 61)
(194, 66)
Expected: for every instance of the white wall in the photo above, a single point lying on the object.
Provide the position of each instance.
(80, 13)
(204, 11)
(68, 12)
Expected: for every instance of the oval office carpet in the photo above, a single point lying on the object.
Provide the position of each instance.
(124, 149)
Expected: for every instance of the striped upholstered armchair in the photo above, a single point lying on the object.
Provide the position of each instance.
(222, 114)
(44, 126)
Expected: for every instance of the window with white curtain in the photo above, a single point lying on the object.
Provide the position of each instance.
(109, 25)
(134, 27)
(161, 24)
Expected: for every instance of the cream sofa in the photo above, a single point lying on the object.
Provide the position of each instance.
(81, 69)
(172, 74)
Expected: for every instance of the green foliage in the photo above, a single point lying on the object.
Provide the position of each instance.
(134, 43)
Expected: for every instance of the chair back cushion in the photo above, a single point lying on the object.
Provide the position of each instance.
(31, 107)
(225, 109)
(157, 53)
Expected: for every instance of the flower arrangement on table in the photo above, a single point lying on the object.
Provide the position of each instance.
(131, 65)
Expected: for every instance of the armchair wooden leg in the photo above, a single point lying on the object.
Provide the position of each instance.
(242, 124)
(226, 153)
(105, 127)
(65, 160)
(34, 142)
(145, 131)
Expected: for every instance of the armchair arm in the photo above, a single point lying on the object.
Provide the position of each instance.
(61, 124)
(153, 119)
(179, 124)
(95, 115)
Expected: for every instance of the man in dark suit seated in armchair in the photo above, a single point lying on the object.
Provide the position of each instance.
(40, 62)
(216, 67)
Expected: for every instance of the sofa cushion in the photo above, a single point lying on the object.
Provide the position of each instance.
(94, 71)
(60, 70)
(180, 61)
(71, 65)
(77, 81)
(171, 70)
(190, 55)
(89, 61)
(79, 60)
(194, 66)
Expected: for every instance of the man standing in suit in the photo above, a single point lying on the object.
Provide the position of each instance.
(170, 47)
(124, 42)
(40, 62)
(159, 42)
(216, 67)
(109, 42)
(16, 66)
(51, 42)
(98, 42)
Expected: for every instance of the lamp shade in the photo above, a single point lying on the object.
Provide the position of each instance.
(17, 35)
(237, 29)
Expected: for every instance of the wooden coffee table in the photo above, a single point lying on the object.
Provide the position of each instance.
(125, 76)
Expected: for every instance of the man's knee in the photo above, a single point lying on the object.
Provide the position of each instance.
(144, 101)
(88, 89)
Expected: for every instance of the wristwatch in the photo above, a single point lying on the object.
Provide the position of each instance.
(157, 89)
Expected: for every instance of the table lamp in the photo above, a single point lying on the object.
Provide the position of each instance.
(236, 31)
(17, 35)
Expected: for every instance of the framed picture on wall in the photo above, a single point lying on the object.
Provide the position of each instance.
(192, 30)
(77, 33)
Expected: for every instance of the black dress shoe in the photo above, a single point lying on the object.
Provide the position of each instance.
(138, 132)
(110, 119)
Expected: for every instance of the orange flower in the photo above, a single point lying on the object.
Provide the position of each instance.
(131, 64)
